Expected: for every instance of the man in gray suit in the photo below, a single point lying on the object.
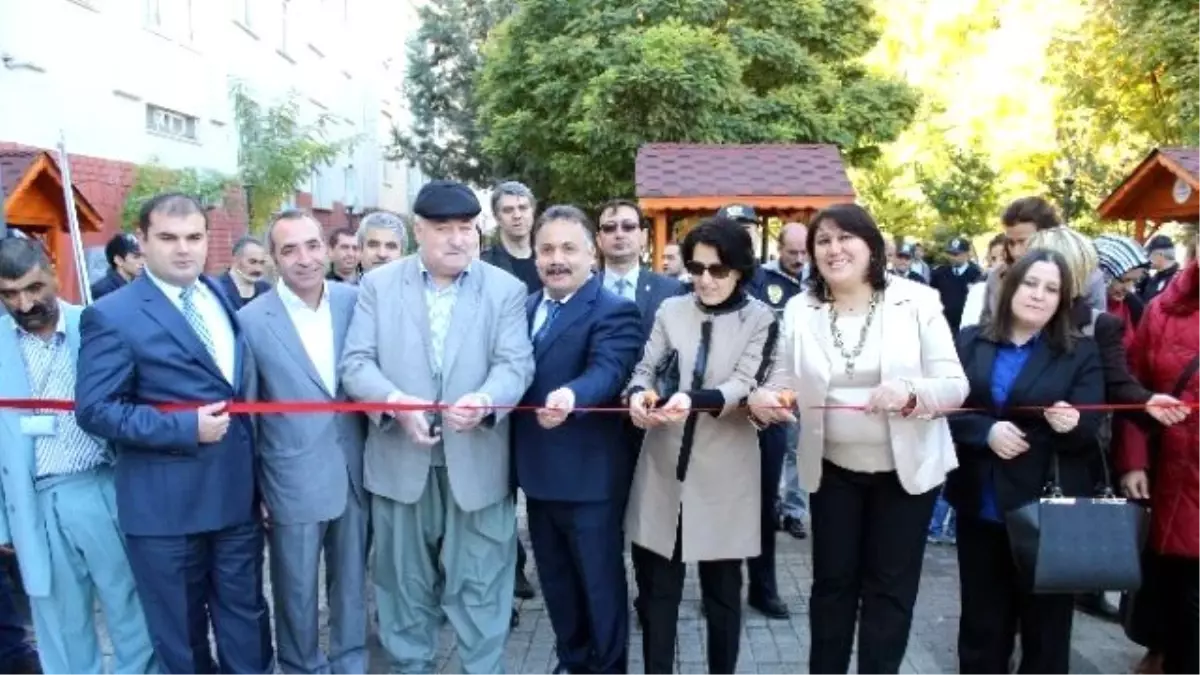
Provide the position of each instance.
(311, 465)
(439, 328)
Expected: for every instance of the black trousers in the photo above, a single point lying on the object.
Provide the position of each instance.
(772, 441)
(996, 604)
(660, 587)
(868, 547)
(1181, 637)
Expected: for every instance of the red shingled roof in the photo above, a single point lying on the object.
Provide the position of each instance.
(1188, 159)
(779, 170)
(13, 165)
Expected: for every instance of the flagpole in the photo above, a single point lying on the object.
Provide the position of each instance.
(64, 166)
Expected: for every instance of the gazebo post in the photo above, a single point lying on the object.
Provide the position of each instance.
(1139, 230)
(660, 239)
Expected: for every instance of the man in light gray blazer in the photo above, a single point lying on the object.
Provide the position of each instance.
(310, 464)
(438, 327)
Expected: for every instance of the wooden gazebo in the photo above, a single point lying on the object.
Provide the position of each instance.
(1165, 187)
(788, 181)
(34, 203)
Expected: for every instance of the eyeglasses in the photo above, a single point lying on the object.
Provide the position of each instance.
(609, 228)
(716, 271)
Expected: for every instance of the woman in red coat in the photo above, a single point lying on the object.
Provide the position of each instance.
(1163, 353)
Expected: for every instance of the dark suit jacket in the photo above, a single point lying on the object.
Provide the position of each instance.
(652, 289)
(136, 349)
(1048, 377)
(592, 347)
(107, 284)
(229, 288)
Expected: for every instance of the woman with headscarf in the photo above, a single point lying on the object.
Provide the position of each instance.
(1123, 263)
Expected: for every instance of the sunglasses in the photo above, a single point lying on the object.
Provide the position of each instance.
(716, 271)
(609, 228)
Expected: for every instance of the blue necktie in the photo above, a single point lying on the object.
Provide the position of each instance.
(552, 307)
(187, 302)
(620, 285)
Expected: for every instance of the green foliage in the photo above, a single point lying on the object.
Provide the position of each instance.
(571, 88)
(208, 187)
(277, 152)
(963, 194)
(899, 211)
(444, 60)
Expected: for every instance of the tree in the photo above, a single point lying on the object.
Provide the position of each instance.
(444, 61)
(883, 191)
(152, 178)
(964, 196)
(571, 88)
(277, 152)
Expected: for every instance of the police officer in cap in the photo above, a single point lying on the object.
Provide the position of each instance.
(775, 289)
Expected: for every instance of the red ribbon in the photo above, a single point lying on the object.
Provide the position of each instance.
(300, 407)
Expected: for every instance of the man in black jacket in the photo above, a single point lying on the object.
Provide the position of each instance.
(514, 205)
(124, 257)
(1161, 251)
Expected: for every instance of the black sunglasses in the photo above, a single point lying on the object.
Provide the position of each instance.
(716, 271)
(609, 228)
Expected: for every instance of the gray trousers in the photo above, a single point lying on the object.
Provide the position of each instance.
(432, 559)
(296, 552)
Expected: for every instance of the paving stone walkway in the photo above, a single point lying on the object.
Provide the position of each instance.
(778, 646)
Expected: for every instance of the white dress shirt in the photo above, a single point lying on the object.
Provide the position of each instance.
(539, 315)
(629, 292)
(315, 328)
(216, 320)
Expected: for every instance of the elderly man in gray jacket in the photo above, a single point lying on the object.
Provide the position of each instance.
(445, 338)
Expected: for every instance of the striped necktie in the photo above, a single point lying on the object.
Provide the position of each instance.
(552, 307)
(187, 302)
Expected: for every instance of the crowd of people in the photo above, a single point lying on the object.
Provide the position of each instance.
(685, 418)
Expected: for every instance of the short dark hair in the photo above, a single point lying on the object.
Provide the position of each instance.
(269, 239)
(120, 246)
(1031, 210)
(852, 219)
(618, 203)
(19, 256)
(565, 212)
(732, 242)
(175, 204)
(339, 233)
(1060, 331)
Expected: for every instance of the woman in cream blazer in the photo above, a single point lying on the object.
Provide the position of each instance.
(873, 365)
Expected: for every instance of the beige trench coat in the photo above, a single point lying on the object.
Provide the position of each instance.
(721, 495)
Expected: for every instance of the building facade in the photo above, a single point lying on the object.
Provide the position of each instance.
(128, 82)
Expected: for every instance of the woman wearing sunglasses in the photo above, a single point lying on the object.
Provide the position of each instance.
(875, 351)
(696, 489)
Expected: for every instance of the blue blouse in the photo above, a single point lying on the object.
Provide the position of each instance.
(1010, 359)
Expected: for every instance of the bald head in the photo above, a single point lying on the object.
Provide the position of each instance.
(793, 248)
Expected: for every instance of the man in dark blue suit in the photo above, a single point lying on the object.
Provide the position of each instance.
(185, 483)
(622, 239)
(575, 467)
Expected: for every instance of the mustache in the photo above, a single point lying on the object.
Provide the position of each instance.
(38, 314)
(558, 269)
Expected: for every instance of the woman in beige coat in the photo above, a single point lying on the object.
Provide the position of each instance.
(696, 492)
(874, 364)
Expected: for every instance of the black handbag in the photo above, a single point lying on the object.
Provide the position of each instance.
(1077, 544)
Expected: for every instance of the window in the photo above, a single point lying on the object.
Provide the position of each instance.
(171, 19)
(170, 123)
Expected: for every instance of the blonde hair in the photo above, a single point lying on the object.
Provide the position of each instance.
(1076, 249)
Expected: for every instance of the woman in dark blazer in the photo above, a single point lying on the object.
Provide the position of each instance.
(1028, 368)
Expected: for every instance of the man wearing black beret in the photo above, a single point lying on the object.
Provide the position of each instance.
(432, 329)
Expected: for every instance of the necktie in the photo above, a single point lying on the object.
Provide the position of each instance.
(622, 285)
(552, 307)
(187, 301)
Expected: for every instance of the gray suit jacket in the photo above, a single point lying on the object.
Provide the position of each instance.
(487, 350)
(308, 463)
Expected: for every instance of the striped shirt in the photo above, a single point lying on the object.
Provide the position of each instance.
(51, 374)
(440, 304)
